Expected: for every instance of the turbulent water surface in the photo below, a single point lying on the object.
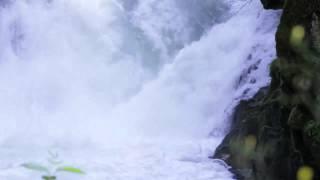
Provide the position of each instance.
(127, 89)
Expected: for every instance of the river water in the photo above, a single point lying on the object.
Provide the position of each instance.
(127, 89)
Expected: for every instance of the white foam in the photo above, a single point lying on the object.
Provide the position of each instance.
(126, 89)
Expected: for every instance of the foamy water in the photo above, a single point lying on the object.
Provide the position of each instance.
(127, 89)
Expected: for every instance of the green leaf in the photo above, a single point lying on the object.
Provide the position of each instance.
(70, 170)
(49, 177)
(35, 167)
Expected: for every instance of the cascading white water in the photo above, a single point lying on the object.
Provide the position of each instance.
(127, 89)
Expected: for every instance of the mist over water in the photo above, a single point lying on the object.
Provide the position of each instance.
(127, 89)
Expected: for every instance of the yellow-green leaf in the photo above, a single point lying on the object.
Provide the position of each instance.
(70, 170)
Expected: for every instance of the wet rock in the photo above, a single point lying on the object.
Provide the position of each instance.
(257, 146)
(277, 132)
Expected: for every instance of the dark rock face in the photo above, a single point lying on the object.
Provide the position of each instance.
(258, 145)
(272, 4)
(277, 132)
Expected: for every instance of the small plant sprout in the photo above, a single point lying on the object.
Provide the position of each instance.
(54, 166)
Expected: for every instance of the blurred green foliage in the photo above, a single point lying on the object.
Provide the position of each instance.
(55, 165)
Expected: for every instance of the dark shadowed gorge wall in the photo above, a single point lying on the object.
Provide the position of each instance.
(276, 134)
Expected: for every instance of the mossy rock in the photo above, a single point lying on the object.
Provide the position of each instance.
(282, 120)
(257, 142)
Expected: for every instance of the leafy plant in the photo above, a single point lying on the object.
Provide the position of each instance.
(55, 165)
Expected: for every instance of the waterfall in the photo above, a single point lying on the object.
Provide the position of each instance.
(127, 89)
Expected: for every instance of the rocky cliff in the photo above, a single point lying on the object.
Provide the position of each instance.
(276, 134)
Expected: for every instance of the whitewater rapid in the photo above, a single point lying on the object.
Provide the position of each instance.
(127, 89)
